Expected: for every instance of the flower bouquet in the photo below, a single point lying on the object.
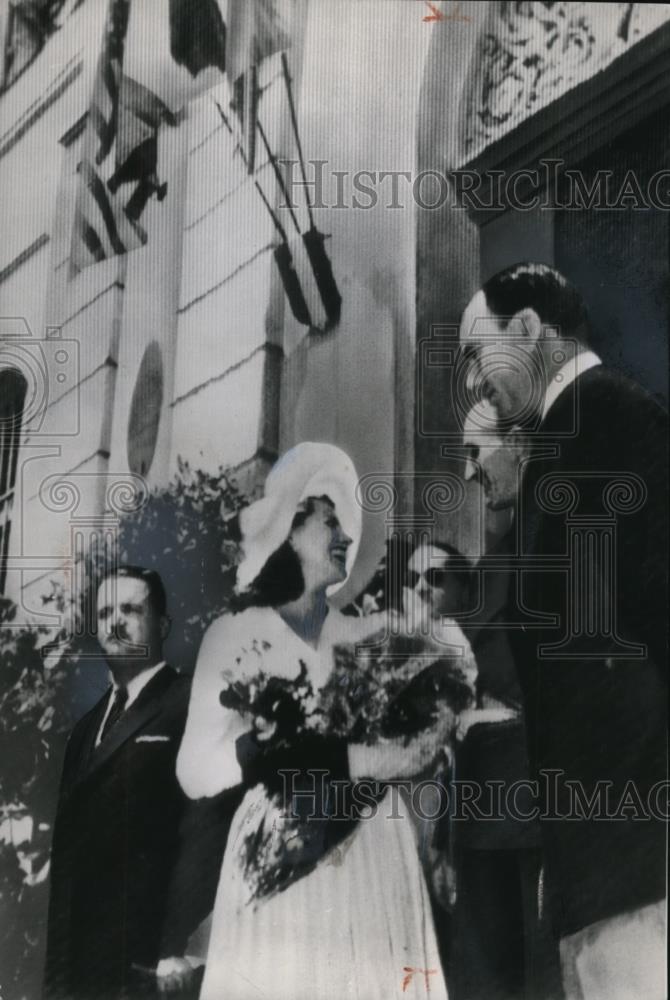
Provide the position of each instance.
(288, 704)
(394, 686)
(287, 835)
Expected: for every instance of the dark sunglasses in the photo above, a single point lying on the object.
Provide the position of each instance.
(437, 576)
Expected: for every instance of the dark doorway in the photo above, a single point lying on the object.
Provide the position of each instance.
(618, 258)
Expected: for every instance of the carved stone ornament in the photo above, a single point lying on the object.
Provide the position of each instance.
(531, 53)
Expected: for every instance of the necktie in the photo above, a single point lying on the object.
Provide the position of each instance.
(118, 704)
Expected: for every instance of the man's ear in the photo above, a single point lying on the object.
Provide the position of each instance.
(527, 324)
(166, 623)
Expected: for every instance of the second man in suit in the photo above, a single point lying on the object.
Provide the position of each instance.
(592, 654)
(133, 870)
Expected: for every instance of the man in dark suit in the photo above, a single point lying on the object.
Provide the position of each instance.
(133, 867)
(503, 945)
(591, 649)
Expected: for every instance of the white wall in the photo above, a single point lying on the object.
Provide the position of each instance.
(358, 104)
(201, 288)
(223, 301)
(206, 286)
(35, 113)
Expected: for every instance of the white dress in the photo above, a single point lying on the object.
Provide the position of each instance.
(357, 926)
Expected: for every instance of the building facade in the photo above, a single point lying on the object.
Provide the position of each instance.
(187, 348)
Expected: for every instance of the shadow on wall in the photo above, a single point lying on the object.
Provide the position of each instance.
(344, 393)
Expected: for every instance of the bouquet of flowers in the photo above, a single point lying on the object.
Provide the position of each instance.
(289, 732)
(288, 704)
(394, 686)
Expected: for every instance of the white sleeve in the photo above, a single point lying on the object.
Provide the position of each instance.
(451, 634)
(207, 760)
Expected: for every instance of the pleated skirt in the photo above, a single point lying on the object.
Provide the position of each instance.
(359, 926)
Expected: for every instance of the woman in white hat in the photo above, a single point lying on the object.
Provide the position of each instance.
(345, 914)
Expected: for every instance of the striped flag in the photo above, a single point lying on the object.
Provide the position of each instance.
(154, 58)
(101, 228)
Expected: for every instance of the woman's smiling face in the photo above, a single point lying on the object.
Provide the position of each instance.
(321, 545)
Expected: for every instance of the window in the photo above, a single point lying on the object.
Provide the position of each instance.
(145, 411)
(12, 394)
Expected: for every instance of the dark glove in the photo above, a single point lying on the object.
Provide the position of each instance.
(262, 762)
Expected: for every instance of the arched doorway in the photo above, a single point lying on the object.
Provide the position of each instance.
(538, 104)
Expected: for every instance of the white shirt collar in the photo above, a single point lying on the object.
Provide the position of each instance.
(565, 376)
(139, 682)
(135, 686)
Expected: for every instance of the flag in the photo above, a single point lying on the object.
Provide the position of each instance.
(154, 59)
(156, 56)
(101, 228)
(197, 36)
(321, 301)
(136, 154)
(324, 279)
(176, 48)
(256, 30)
(291, 282)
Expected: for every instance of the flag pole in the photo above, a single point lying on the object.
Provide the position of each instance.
(250, 105)
(282, 253)
(313, 240)
(294, 122)
(280, 229)
(278, 174)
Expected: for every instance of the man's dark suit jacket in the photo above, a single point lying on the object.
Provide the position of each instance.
(496, 751)
(134, 867)
(599, 717)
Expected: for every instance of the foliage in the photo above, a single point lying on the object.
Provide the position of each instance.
(395, 684)
(34, 718)
(187, 531)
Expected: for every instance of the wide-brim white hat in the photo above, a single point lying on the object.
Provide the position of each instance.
(310, 469)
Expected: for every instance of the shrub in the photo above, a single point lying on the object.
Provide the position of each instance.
(187, 531)
(34, 720)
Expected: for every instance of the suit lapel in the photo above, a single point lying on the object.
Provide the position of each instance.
(145, 708)
(546, 457)
(89, 736)
(80, 746)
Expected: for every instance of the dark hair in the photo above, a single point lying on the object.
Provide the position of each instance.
(157, 595)
(281, 579)
(542, 288)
